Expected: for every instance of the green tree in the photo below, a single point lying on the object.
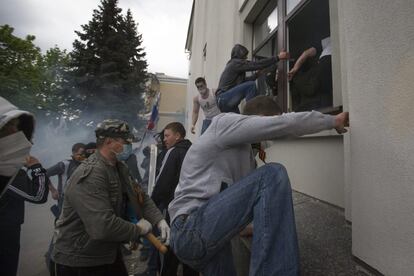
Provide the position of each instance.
(108, 53)
(55, 65)
(20, 73)
(56, 81)
(108, 64)
(33, 81)
(137, 65)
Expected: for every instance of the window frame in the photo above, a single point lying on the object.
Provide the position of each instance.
(281, 32)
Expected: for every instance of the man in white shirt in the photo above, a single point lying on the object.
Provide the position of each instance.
(207, 101)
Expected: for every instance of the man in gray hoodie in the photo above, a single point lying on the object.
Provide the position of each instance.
(220, 191)
(234, 86)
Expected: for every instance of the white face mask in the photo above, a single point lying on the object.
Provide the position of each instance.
(13, 151)
(203, 91)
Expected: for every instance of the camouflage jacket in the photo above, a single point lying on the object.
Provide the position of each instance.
(91, 227)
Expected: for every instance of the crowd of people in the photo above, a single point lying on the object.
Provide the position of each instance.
(219, 213)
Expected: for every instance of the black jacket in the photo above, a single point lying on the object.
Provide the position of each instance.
(235, 71)
(132, 165)
(23, 189)
(63, 170)
(169, 174)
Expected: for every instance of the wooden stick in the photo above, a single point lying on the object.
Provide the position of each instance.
(156, 243)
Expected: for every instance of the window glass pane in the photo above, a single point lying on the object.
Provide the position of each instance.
(269, 49)
(290, 5)
(241, 2)
(266, 23)
(310, 84)
(267, 80)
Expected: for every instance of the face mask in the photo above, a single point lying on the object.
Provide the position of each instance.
(126, 152)
(203, 91)
(79, 157)
(89, 153)
(14, 149)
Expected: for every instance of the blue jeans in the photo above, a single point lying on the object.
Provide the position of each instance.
(153, 264)
(202, 239)
(229, 100)
(206, 124)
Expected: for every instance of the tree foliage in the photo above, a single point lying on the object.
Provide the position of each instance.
(31, 80)
(109, 66)
(108, 53)
(102, 77)
(20, 74)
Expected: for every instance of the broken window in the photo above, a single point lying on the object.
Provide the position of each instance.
(296, 25)
(310, 85)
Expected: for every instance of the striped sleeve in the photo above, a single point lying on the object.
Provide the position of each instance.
(34, 190)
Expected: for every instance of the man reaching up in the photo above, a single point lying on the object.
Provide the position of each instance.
(220, 191)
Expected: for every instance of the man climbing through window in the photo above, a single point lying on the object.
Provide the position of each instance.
(220, 191)
(234, 86)
(311, 78)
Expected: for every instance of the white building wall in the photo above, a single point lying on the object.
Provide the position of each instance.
(378, 53)
(221, 25)
(314, 164)
(216, 23)
(374, 164)
(340, 97)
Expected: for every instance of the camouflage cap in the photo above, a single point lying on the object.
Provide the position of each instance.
(114, 129)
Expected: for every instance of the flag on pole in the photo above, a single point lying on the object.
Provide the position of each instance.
(152, 122)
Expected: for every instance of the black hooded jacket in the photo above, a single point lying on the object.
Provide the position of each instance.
(23, 188)
(235, 71)
(169, 174)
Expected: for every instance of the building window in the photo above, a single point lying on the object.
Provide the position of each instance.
(298, 26)
(265, 45)
(267, 80)
(266, 23)
(291, 4)
(311, 85)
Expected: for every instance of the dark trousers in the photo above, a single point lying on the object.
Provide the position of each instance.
(170, 266)
(312, 89)
(115, 269)
(9, 249)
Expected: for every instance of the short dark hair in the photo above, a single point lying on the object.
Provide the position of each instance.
(200, 79)
(262, 105)
(176, 127)
(77, 146)
(91, 145)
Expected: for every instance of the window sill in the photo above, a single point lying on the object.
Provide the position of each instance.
(331, 110)
(326, 133)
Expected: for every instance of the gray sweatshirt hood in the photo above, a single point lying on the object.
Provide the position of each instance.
(239, 51)
(9, 112)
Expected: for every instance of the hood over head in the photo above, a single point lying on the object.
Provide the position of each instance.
(239, 51)
(9, 112)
